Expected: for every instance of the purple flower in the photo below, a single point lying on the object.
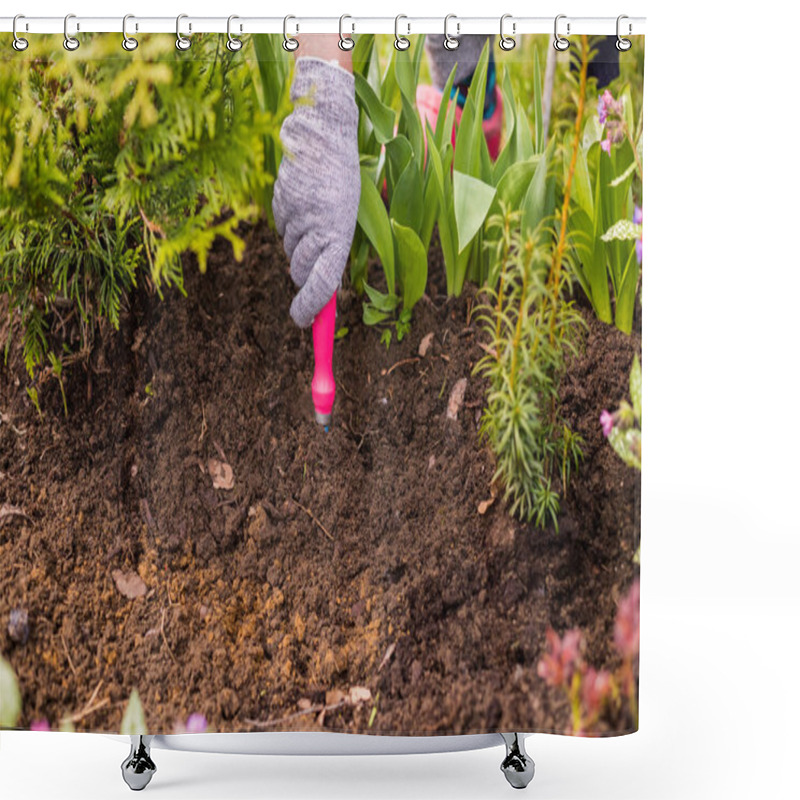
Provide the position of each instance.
(195, 723)
(602, 111)
(40, 725)
(637, 220)
(605, 144)
(606, 422)
(606, 104)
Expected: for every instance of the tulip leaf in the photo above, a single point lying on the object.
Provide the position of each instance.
(412, 264)
(382, 302)
(380, 115)
(374, 221)
(407, 201)
(472, 200)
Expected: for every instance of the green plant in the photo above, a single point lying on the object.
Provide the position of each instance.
(10, 697)
(528, 336)
(111, 169)
(393, 159)
(272, 69)
(600, 220)
(427, 182)
(134, 721)
(623, 428)
(475, 189)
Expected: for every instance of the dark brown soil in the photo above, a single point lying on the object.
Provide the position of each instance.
(330, 551)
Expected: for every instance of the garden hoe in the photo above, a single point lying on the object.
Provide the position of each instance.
(323, 386)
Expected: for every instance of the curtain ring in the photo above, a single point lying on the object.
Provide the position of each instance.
(181, 42)
(18, 44)
(559, 42)
(400, 42)
(450, 42)
(70, 42)
(233, 44)
(128, 43)
(623, 44)
(345, 43)
(290, 44)
(506, 42)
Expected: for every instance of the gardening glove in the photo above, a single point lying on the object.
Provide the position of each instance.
(315, 202)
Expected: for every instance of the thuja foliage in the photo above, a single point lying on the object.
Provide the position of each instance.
(535, 449)
(112, 166)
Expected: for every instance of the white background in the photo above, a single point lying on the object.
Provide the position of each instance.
(720, 600)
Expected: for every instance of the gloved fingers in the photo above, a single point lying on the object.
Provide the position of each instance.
(323, 281)
(304, 257)
(293, 233)
(278, 206)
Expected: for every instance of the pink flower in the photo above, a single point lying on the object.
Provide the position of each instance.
(606, 422)
(40, 725)
(626, 627)
(196, 723)
(605, 144)
(637, 220)
(595, 689)
(606, 105)
(558, 665)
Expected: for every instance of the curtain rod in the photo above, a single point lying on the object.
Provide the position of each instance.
(456, 26)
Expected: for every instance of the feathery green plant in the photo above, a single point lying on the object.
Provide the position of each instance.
(536, 451)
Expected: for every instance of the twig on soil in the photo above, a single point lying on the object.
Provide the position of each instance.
(400, 364)
(310, 514)
(164, 637)
(89, 707)
(88, 710)
(8, 511)
(148, 517)
(203, 424)
(6, 419)
(319, 708)
(66, 652)
(220, 451)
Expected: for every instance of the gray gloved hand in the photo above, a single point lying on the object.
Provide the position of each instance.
(318, 189)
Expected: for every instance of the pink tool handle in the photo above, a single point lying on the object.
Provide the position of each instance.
(323, 386)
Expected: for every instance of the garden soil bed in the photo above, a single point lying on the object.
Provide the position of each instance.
(353, 558)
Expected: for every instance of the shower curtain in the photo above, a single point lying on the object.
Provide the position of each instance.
(192, 538)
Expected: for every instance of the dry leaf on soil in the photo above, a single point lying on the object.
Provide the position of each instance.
(456, 398)
(129, 584)
(221, 474)
(359, 694)
(425, 344)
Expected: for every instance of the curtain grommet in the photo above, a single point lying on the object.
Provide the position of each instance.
(70, 42)
(451, 42)
(623, 44)
(401, 43)
(290, 44)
